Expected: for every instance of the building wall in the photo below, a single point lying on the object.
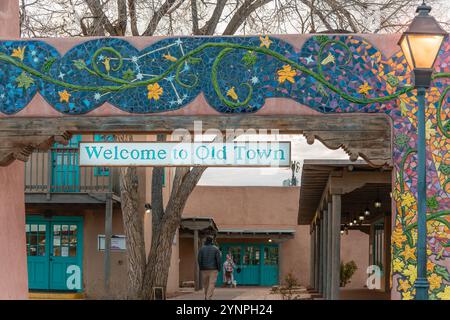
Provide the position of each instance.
(13, 261)
(251, 208)
(355, 246)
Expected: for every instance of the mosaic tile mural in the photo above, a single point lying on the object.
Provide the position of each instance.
(236, 74)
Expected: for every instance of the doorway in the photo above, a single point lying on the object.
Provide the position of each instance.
(255, 263)
(54, 252)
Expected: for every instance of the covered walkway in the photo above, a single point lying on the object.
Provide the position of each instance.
(338, 196)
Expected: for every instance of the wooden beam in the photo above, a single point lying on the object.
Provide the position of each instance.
(364, 135)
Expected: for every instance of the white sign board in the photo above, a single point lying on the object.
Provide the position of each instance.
(233, 154)
(118, 242)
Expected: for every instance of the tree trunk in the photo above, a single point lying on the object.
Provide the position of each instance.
(133, 224)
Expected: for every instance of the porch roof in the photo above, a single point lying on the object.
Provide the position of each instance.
(205, 225)
(314, 179)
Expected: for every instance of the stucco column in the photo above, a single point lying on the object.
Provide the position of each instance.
(9, 19)
(336, 246)
(329, 250)
(13, 257)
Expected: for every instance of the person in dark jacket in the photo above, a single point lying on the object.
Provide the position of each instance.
(209, 262)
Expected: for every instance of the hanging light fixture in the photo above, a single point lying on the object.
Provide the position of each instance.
(355, 221)
(361, 218)
(377, 203)
(366, 212)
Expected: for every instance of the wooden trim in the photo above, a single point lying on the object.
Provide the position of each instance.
(364, 135)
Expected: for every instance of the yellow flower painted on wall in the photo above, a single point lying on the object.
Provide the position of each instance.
(407, 295)
(286, 73)
(398, 237)
(329, 59)
(407, 199)
(435, 281)
(107, 64)
(429, 130)
(154, 91)
(403, 285)
(265, 41)
(19, 53)
(411, 273)
(398, 265)
(430, 266)
(232, 94)
(444, 295)
(364, 89)
(64, 96)
(408, 253)
(170, 57)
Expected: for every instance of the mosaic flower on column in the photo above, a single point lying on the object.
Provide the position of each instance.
(404, 263)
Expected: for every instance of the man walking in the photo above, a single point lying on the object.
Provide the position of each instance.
(209, 261)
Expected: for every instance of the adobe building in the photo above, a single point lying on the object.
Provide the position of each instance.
(266, 229)
(349, 91)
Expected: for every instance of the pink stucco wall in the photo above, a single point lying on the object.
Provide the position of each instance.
(13, 259)
(355, 246)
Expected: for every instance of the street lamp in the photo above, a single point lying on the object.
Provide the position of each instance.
(420, 44)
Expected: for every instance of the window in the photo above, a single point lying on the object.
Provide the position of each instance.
(252, 255)
(271, 256)
(36, 239)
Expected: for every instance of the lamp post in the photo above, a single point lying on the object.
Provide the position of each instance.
(420, 44)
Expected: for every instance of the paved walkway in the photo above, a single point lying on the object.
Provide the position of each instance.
(240, 293)
(264, 293)
(363, 294)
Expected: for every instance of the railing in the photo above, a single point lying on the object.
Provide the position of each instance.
(57, 171)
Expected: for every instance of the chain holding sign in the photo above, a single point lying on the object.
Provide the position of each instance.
(233, 154)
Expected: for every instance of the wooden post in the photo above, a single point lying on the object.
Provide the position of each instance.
(311, 257)
(336, 246)
(196, 266)
(387, 252)
(317, 256)
(108, 235)
(329, 249)
(323, 262)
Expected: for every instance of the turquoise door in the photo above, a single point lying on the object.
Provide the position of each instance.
(37, 235)
(65, 166)
(54, 248)
(256, 264)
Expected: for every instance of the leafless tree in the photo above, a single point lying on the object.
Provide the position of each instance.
(43, 18)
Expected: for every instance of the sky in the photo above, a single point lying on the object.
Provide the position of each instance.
(271, 176)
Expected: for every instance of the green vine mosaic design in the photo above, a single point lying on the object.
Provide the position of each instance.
(190, 57)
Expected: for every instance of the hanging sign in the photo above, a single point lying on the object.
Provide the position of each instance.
(233, 154)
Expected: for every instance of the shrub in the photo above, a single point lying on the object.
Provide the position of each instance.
(347, 271)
